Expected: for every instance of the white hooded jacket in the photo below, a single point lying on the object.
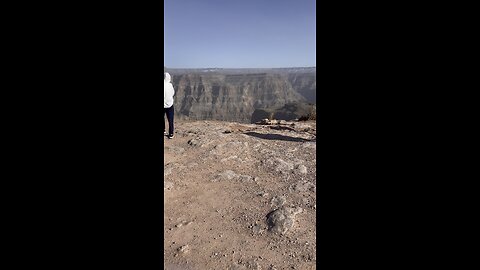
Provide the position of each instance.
(168, 91)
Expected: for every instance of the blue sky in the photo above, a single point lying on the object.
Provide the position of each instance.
(239, 33)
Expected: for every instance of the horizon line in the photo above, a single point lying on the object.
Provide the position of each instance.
(239, 67)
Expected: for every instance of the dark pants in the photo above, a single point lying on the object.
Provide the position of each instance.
(169, 113)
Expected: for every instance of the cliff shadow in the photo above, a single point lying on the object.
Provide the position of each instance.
(277, 137)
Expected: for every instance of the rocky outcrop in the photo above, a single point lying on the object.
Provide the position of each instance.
(235, 95)
(289, 111)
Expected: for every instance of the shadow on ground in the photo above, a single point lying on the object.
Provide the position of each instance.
(276, 137)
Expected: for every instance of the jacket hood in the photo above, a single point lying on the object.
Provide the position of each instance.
(168, 78)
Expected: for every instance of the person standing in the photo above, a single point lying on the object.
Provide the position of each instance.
(168, 93)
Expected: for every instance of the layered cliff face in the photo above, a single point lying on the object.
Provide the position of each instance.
(235, 95)
(305, 84)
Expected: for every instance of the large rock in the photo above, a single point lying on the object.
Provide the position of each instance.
(283, 219)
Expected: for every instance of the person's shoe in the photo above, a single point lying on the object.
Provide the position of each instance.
(170, 136)
(165, 133)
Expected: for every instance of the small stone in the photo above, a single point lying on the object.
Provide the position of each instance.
(184, 249)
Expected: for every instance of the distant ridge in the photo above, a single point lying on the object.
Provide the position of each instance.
(242, 70)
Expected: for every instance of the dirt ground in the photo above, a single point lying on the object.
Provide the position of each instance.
(240, 196)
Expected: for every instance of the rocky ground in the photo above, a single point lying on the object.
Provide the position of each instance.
(240, 196)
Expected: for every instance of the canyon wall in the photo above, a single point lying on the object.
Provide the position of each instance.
(234, 95)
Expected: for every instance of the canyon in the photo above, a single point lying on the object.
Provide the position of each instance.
(235, 94)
